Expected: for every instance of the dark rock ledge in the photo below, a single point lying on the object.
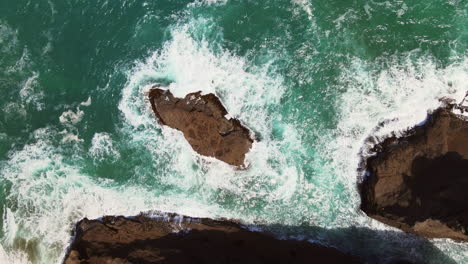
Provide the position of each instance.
(201, 118)
(419, 182)
(171, 238)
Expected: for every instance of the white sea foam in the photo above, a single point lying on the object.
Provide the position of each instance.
(102, 148)
(69, 119)
(22, 64)
(210, 2)
(8, 37)
(72, 117)
(15, 62)
(47, 194)
(87, 102)
(69, 137)
(27, 88)
(14, 110)
(13, 257)
(247, 92)
(458, 251)
(274, 176)
(306, 7)
(49, 46)
(30, 94)
(399, 96)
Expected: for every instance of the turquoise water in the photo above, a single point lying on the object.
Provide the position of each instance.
(312, 79)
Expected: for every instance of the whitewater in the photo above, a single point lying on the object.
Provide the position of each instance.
(78, 138)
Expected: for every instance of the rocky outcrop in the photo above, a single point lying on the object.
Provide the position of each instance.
(201, 118)
(419, 182)
(171, 238)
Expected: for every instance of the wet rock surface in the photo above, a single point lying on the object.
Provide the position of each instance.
(172, 238)
(201, 118)
(419, 182)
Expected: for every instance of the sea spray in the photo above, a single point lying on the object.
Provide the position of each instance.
(312, 80)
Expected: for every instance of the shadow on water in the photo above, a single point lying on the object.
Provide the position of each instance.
(372, 246)
(210, 241)
(214, 246)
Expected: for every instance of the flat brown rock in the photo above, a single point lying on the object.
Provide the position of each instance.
(419, 182)
(177, 239)
(201, 118)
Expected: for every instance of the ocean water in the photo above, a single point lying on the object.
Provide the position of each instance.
(312, 79)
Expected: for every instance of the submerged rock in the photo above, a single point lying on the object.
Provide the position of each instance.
(173, 238)
(201, 118)
(419, 182)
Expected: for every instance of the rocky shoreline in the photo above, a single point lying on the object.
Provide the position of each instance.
(418, 182)
(202, 120)
(172, 238)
